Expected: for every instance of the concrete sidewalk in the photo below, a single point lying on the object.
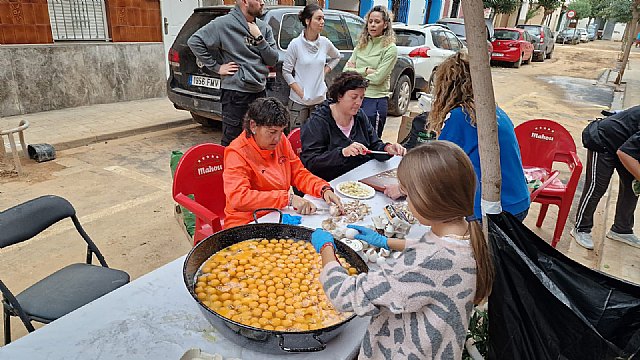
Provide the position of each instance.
(74, 127)
(632, 78)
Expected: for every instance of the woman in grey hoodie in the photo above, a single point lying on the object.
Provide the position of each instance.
(305, 65)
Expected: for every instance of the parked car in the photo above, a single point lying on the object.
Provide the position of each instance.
(543, 40)
(514, 46)
(584, 35)
(457, 26)
(203, 100)
(592, 32)
(428, 45)
(571, 36)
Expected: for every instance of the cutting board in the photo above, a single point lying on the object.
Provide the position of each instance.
(380, 180)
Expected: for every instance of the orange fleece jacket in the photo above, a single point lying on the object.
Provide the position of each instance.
(256, 178)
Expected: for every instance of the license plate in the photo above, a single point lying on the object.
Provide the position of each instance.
(208, 82)
(497, 54)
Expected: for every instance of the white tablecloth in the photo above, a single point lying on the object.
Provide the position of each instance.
(154, 317)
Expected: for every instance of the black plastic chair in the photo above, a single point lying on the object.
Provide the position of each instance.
(68, 288)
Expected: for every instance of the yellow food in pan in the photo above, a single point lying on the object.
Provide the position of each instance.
(268, 284)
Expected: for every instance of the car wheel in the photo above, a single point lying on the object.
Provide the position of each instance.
(517, 63)
(549, 54)
(401, 95)
(541, 57)
(206, 122)
(530, 58)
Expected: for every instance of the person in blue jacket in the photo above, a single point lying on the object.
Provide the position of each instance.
(453, 118)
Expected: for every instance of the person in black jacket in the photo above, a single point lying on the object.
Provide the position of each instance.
(338, 134)
(612, 143)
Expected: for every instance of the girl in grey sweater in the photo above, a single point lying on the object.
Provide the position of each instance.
(305, 65)
(421, 303)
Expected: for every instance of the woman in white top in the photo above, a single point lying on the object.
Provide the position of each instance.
(305, 65)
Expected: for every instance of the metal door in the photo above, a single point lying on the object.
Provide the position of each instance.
(174, 15)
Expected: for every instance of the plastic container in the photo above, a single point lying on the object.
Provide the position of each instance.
(424, 101)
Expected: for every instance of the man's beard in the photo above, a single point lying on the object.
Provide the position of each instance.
(255, 12)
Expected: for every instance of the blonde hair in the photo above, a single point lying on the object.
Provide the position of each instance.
(440, 182)
(453, 88)
(388, 35)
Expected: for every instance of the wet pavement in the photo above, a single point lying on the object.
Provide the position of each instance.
(578, 91)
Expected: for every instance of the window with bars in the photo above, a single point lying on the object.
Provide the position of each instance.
(78, 19)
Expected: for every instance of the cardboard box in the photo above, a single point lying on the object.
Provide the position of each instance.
(405, 128)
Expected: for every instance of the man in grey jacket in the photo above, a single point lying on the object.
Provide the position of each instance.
(239, 47)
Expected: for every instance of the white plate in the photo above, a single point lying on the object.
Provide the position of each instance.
(363, 191)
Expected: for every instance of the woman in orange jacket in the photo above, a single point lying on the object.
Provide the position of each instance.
(260, 167)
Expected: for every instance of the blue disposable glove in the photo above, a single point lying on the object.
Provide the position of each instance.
(291, 219)
(370, 236)
(321, 237)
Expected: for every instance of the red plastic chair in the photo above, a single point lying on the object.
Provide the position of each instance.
(199, 173)
(294, 139)
(543, 142)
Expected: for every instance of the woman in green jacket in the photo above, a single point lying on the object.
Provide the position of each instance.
(374, 58)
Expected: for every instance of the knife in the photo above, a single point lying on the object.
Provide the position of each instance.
(377, 152)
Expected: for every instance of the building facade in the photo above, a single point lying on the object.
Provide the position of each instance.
(46, 22)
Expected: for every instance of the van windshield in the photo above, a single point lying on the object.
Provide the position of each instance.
(458, 29)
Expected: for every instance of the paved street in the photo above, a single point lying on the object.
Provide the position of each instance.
(121, 187)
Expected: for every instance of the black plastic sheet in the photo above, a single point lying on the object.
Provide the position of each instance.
(547, 306)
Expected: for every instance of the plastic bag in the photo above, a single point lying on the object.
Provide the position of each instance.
(547, 306)
(188, 218)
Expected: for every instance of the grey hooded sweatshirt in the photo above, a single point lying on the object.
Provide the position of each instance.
(226, 39)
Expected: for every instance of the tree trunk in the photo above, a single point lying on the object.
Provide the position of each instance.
(623, 43)
(485, 103)
(632, 28)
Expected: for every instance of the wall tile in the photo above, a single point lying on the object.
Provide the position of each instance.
(5, 14)
(151, 17)
(49, 35)
(8, 33)
(157, 34)
(144, 17)
(121, 15)
(131, 33)
(44, 34)
(15, 9)
(42, 14)
(135, 13)
(20, 34)
(31, 32)
(28, 11)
